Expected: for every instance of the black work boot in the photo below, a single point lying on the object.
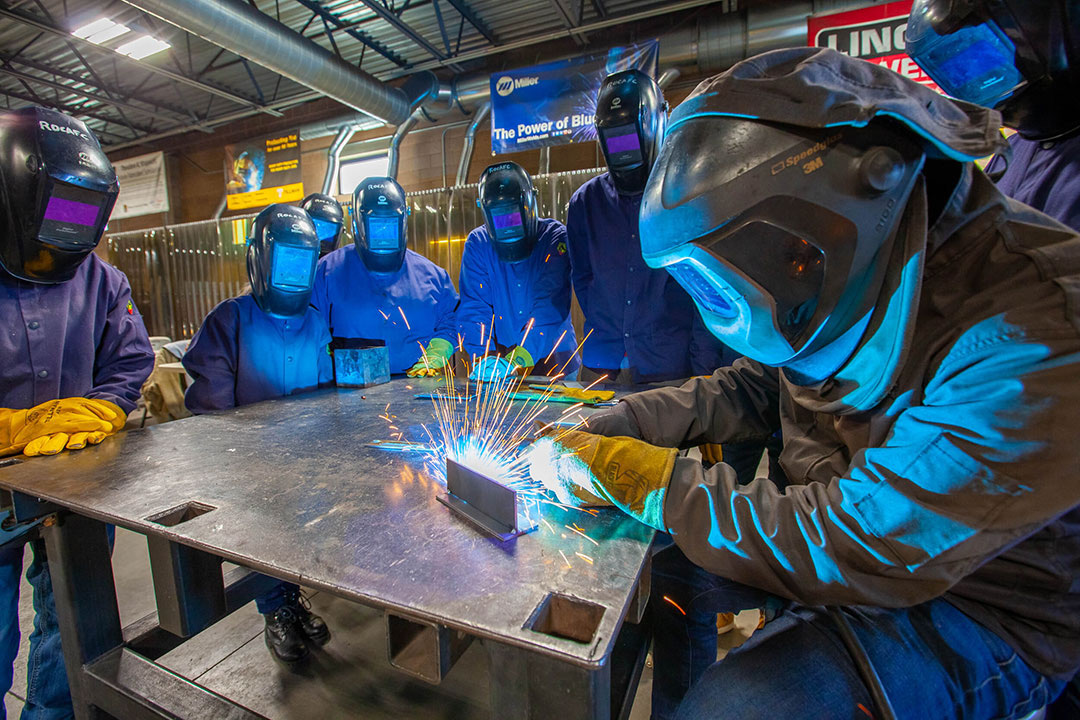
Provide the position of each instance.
(284, 637)
(311, 625)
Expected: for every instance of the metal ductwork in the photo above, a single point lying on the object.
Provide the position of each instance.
(333, 156)
(470, 143)
(393, 155)
(243, 29)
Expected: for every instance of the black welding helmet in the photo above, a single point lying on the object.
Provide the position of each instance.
(779, 226)
(508, 200)
(282, 251)
(1019, 56)
(378, 215)
(57, 190)
(631, 115)
(326, 214)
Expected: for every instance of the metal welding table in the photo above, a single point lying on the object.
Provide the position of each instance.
(288, 488)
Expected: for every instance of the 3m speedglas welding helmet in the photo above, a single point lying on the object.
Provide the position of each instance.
(379, 212)
(57, 190)
(777, 193)
(1021, 57)
(508, 200)
(282, 251)
(631, 115)
(326, 214)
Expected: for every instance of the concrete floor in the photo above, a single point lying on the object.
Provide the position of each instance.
(349, 678)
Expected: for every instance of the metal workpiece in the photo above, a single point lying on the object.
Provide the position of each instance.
(291, 488)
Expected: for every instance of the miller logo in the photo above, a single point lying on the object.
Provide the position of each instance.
(616, 102)
(506, 84)
(382, 199)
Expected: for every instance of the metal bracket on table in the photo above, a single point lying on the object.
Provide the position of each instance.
(421, 648)
(491, 506)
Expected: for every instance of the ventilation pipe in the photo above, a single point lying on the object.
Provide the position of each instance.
(254, 35)
(393, 155)
(333, 156)
(470, 143)
(667, 77)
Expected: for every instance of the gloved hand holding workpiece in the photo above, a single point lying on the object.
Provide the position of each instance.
(492, 368)
(434, 360)
(55, 425)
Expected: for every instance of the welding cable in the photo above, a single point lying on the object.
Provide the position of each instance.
(862, 664)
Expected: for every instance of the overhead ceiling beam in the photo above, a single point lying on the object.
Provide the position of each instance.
(402, 27)
(327, 16)
(473, 19)
(75, 111)
(579, 37)
(40, 24)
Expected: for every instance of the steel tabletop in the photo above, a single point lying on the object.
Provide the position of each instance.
(296, 492)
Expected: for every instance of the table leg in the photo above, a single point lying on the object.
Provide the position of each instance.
(528, 686)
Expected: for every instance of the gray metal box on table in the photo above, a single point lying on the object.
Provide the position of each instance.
(295, 493)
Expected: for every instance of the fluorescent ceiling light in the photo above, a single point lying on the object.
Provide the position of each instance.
(100, 30)
(142, 47)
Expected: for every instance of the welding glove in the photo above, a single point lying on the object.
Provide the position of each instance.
(588, 397)
(520, 358)
(434, 360)
(69, 423)
(492, 368)
(585, 469)
(613, 421)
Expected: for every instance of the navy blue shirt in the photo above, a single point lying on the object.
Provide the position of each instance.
(631, 310)
(1044, 175)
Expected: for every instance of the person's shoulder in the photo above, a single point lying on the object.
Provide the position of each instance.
(591, 188)
(231, 308)
(100, 274)
(335, 259)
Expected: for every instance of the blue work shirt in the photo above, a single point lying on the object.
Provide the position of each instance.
(631, 310)
(80, 338)
(406, 309)
(1044, 175)
(242, 355)
(536, 289)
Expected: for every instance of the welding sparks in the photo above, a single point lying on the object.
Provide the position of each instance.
(404, 318)
(584, 557)
(669, 600)
(568, 565)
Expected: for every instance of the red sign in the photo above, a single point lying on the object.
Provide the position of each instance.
(875, 33)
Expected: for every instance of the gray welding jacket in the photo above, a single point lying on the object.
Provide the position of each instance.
(961, 481)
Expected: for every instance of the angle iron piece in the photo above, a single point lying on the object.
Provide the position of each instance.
(486, 503)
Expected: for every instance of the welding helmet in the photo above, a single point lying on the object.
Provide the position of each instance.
(282, 251)
(1019, 56)
(378, 214)
(326, 214)
(508, 200)
(57, 190)
(631, 115)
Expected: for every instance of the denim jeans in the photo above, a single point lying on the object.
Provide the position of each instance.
(933, 660)
(47, 693)
(271, 600)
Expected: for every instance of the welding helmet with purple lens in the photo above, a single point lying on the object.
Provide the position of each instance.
(282, 251)
(1021, 57)
(779, 233)
(57, 190)
(326, 214)
(631, 116)
(379, 212)
(508, 200)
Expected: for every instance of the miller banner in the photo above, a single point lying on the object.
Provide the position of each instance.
(875, 33)
(554, 103)
(264, 170)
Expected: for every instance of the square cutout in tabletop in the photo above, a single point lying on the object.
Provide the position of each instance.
(180, 514)
(567, 617)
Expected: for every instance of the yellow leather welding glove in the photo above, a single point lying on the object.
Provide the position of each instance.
(434, 360)
(587, 396)
(52, 426)
(630, 474)
(520, 358)
(711, 454)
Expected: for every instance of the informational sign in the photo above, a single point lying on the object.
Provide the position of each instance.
(144, 188)
(554, 103)
(264, 170)
(875, 33)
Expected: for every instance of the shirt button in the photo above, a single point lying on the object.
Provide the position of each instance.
(628, 302)
(33, 325)
(43, 374)
(289, 359)
(626, 334)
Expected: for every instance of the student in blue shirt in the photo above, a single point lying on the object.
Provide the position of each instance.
(268, 344)
(515, 281)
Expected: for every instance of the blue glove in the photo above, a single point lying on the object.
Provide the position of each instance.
(492, 369)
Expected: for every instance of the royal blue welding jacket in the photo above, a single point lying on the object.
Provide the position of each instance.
(1044, 175)
(405, 309)
(631, 310)
(537, 289)
(79, 338)
(242, 355)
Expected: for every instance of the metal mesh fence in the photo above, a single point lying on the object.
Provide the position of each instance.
(178, 273)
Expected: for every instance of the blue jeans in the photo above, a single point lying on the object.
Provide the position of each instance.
(933, 660)
(270, 601)
(48, 696)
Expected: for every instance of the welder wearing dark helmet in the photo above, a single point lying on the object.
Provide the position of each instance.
(927, 335)
(73, 353)
(515, 283)
(639, 322)
(325, 212)
(378, 289)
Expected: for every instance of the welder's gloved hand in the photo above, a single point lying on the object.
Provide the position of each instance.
(621, 471)
(586, 396)
(435, 359)
(492, 368)
(55, 425)
(520, 358)
(711, 454)
(613, 421)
